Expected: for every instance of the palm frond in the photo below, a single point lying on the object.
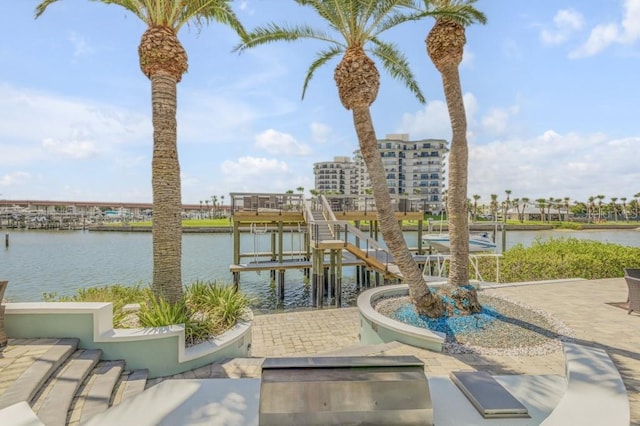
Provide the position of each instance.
(43, 6)
(397, 66)
(274, 32)
(461, 11)
(323, 57)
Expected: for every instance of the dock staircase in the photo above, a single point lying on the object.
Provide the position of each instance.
(327, 228)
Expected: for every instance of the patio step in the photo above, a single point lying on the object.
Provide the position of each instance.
(31, 378)
(96, 392)
(53, 403)
(131, 384)
(59, 384)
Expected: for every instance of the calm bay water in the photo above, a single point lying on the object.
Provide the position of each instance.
(63, 261)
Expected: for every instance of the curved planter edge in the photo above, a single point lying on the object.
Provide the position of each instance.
(161, 350)
(376, 328)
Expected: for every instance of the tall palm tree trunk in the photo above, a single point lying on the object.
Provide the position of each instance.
(425, 302)
(458, 176)
(458, 289)
(167, 199)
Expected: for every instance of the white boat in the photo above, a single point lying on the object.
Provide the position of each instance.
(477, 242)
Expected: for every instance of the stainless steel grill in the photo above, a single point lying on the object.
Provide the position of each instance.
(376, 390)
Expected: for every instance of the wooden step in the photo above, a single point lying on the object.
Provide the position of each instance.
(27, 385)
(96, 392)
(131, 384)
(53, 403)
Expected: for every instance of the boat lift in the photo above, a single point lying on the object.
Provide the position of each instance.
(436, 266)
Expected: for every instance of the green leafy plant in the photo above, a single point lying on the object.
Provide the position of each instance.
(217, 300)
(157, 312)
(206, 310)
(118, 295)
(562, 258)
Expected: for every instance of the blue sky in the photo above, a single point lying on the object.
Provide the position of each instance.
(551, 93)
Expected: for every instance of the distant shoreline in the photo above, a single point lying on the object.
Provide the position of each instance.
(472, 227)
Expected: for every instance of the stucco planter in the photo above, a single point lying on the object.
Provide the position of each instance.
(376, 328)
(161, 350)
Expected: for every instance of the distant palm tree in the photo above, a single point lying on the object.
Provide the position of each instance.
(476, 197)
(591, 209)
(600, 198)
(525, 203)
(614, 208)
(506, 205)
(624, 207)
(353, 28)
(516, 203)
(163, 60)
(566, 206)
(493, 206)
(542, 204)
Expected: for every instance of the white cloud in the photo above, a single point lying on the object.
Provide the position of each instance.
(80, 45)
(75, 149)
(320, 132)
(601, 37)
(554, 164)
(14, 178)
(496, 121)
(565, 23)
(34, 123)
(433, 120)
(275, 142)
(606, 34)
(255, 174)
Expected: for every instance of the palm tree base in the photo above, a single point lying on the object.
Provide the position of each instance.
(459, 300)
(428, 304)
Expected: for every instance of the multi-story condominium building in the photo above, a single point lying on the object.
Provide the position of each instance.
(414, 169)
(336, 177)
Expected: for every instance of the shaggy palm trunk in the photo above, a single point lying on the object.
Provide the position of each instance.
(167, 200)
(425, 302)
(445, 44)
(457, 193)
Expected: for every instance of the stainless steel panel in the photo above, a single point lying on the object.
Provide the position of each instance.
(348, 390)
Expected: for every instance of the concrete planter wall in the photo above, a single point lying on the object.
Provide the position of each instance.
(376, 328)
(161, 349)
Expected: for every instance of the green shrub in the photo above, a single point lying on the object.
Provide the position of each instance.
(217, 300)
(207, 308)
(117, 294)
(157, 312)
(562, 258)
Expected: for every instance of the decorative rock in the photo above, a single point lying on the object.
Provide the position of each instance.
(502, 327)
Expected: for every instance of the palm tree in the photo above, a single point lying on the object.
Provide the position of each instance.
(614, 208)
(507, 205)
(493, 206)
(525, 203)
(445, 46)
(600, 198)
(352, 27)
(566, 206)
(476, 197)
(542, 203)
(516, 203)
(163, 60)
